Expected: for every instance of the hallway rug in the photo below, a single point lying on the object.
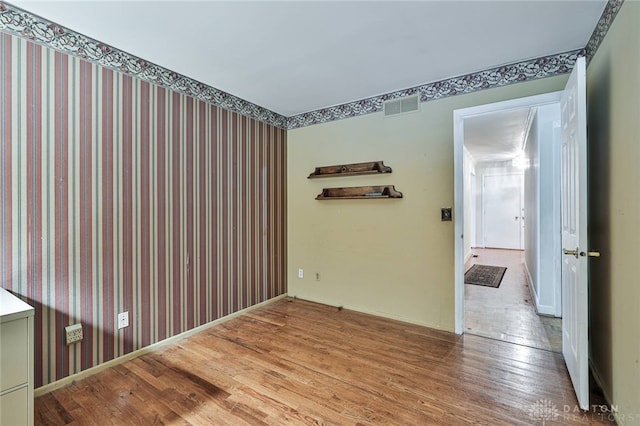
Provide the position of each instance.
(489, 276)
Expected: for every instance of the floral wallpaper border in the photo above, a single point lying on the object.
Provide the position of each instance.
(21, 23)
(24, 24)
(547, 66)
(602, 27)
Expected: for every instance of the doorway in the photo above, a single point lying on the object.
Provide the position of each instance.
(504, 229)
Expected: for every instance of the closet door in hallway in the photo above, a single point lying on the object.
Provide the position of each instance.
(502, 211)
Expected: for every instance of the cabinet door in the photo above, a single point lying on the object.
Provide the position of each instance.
(14, 353)
(14, 407)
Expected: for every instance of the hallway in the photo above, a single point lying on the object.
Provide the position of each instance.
(508, 312)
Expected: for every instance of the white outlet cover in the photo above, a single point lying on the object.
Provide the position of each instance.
(300, 273)
(123, 320)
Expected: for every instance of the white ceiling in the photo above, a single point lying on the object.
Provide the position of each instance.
(497, 136)
(298, 56)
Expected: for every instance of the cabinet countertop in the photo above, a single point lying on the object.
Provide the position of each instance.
(12, 308)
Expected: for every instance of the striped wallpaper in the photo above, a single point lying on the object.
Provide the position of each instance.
(119, 195)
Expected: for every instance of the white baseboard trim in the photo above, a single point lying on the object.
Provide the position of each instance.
(363, 310)
(532, 291)
(540, 309)
(138, 352)
(545, 310)
(468, 256)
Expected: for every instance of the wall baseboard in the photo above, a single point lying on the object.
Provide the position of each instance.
(540, 309)
(532, 289)
(545, 310)
(467, 257)
(381, 314)
(153, 347)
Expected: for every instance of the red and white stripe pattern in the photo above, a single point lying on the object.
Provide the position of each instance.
(119, 195)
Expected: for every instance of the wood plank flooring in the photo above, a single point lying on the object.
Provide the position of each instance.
(508, 313)
(296, 362)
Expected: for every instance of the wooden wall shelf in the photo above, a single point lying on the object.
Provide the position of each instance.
(359, 193)
(372, 167)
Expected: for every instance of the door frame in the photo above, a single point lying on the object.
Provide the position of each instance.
(459, 116)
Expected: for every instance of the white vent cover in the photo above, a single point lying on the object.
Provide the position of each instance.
(402, 105)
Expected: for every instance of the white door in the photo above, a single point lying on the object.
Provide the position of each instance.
(574, 232)
(502, 204)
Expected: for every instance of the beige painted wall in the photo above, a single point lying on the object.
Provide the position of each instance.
(613, 80)
(393, 258)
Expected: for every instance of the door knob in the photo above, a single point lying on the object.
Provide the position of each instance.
(571, 252)
(577, 253)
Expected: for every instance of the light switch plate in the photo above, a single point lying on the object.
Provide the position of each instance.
(445, 214)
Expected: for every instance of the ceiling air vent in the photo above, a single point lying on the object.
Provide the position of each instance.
(402, 105)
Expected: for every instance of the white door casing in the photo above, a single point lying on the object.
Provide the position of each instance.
(574, 232)
(459, 116)
(502, 210)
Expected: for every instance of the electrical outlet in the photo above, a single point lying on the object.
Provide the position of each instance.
(123, 320)
(300, 273)
(317, 276)
(73, 333)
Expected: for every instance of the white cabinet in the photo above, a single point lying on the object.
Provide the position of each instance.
(16, 361)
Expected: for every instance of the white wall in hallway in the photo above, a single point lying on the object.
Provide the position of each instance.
(542, 210)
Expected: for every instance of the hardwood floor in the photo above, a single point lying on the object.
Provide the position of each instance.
(508, 312)
(296, 362)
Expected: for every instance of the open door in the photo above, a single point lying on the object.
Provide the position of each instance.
(575, 309)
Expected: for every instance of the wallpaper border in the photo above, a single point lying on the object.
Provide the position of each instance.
(18, 22)
(24, 24)
(602, 27)
(546, 66)
(517, 72)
